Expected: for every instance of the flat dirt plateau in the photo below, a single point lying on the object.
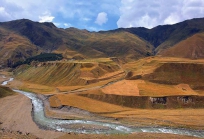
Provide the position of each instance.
(16, 122)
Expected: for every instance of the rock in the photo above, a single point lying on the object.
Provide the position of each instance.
(19, 132)
(158, 100)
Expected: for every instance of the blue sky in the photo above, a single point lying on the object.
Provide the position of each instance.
(97, 15)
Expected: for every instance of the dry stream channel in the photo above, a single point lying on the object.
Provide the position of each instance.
(93, 127)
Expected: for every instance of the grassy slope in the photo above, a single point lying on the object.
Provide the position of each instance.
(56, 74)
(192, 47)
(152, 71)
(166, 36)
(123, 43)
(74, 42)
(14, 47)
(119, 44)
(44, 35)
(171, 72)
(181, 32)
(68, 73)
(177, 73)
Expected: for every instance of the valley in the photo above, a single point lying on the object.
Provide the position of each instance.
(108, 91)
(71, 83)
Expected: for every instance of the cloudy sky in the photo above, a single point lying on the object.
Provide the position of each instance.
(95, 15)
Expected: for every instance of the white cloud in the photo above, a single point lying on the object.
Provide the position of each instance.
(148, 13)
(46, 17)
(57, 24)
(67, 25)
(4, 14)
(81, 14)
(101, 18)
(172, 19)
(62, 25)
(85, 19)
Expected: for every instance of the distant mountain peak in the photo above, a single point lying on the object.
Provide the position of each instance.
(125, 43)
(49, 24)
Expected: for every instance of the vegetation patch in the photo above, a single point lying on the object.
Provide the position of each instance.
(43, 57)
(5, 91)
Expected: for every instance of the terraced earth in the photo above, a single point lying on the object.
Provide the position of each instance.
(150, 85)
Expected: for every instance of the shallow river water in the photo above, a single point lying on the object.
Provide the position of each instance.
(107, 128)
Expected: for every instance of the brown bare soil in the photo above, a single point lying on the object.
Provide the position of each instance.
(15, 115)
(170, 117)
(131, 136)
(187, 118)
(8, 134)
(154, 89)
(85, 103)
(124, 87)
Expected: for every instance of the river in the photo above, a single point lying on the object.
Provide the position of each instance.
(97, 127)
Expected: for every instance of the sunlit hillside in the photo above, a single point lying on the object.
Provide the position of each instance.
(192, 47)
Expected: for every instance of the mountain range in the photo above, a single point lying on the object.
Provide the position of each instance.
(21, 39)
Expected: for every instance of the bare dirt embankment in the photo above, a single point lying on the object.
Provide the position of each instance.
(15, 115)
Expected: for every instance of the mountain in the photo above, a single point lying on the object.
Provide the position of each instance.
(14, 47)
(21, 39)
(44, 35)
(72, 42)
(109, 44)
(192, 47)
(166, 36)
